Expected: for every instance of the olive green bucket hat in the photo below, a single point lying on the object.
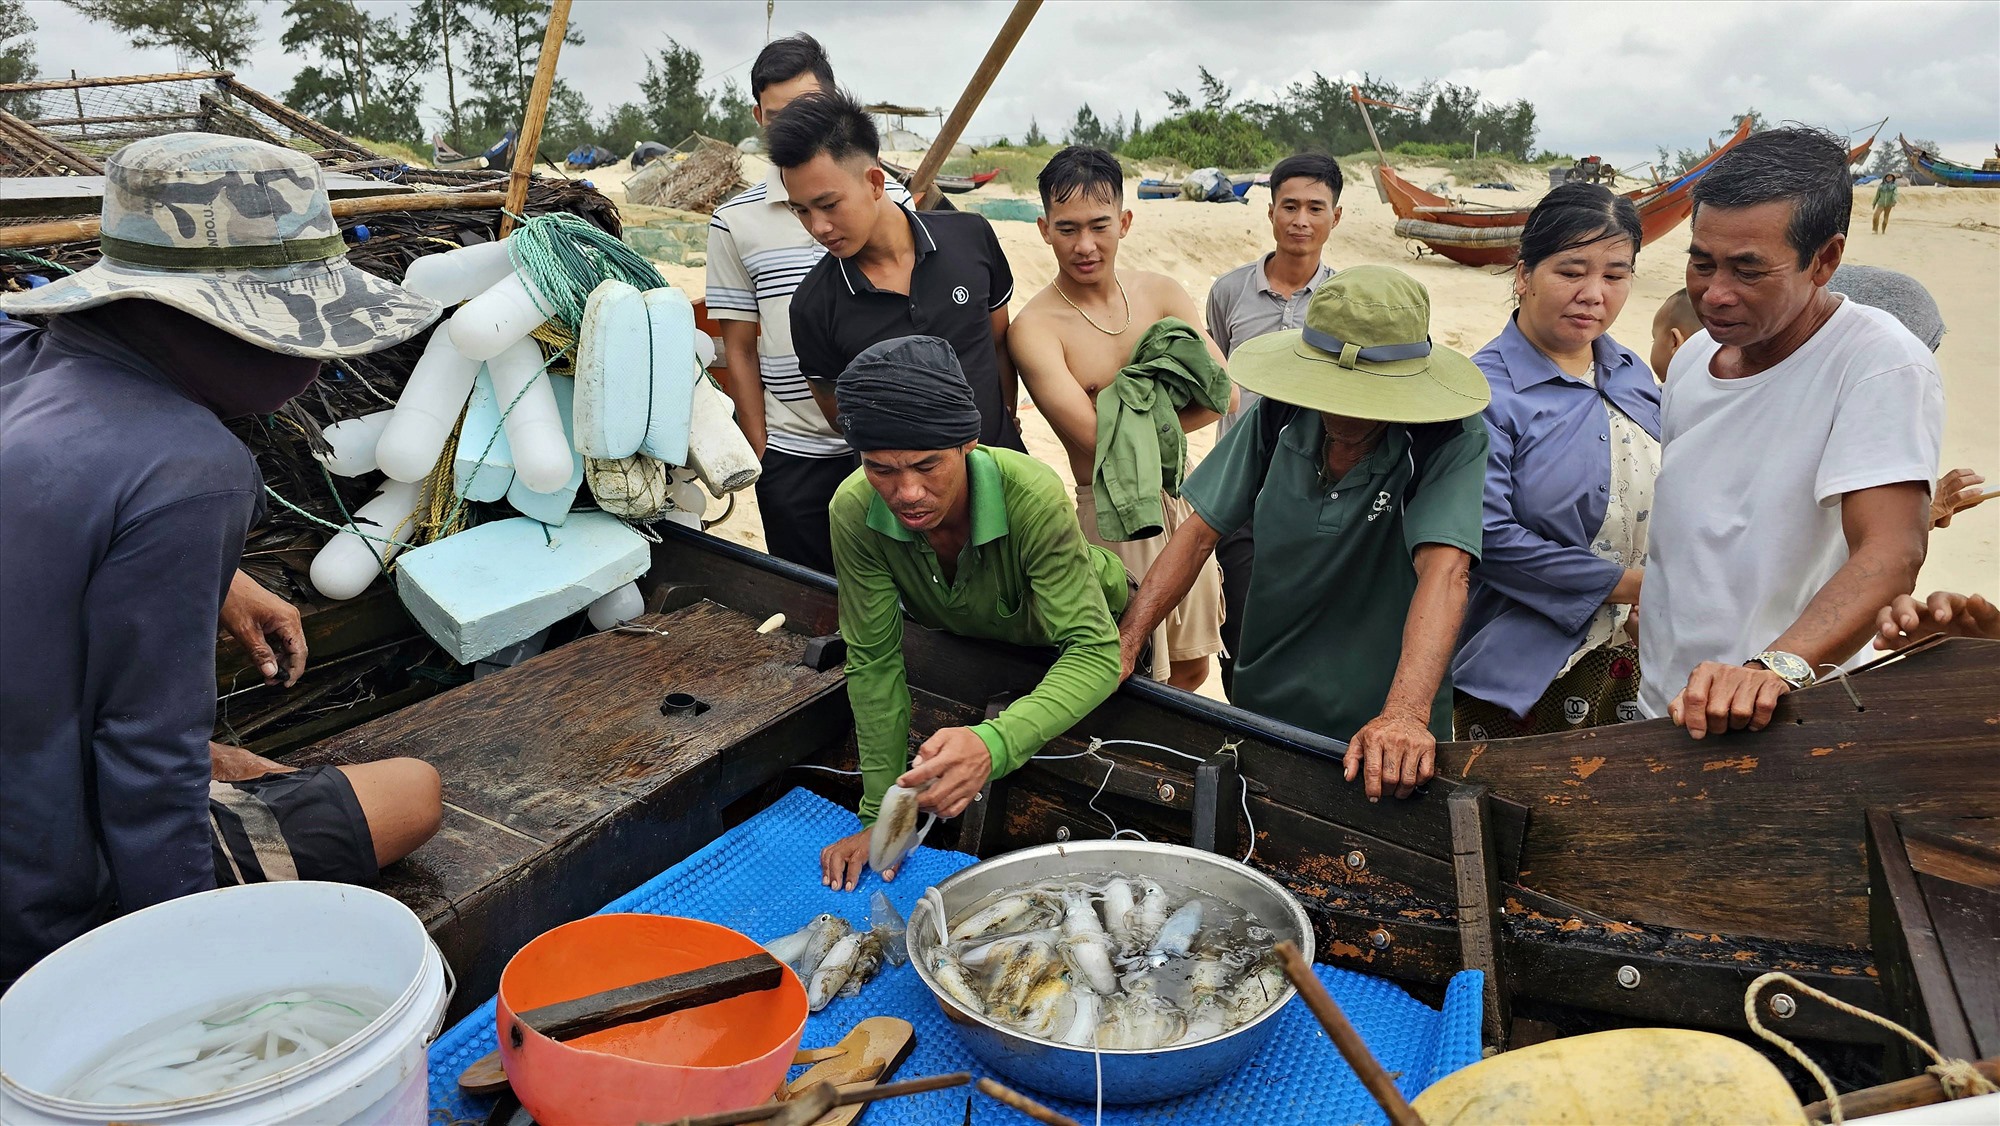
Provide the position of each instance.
(1365, 352)
(238, 233)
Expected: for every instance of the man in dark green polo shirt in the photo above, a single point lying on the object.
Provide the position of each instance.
(980, 542)
(1365, 468)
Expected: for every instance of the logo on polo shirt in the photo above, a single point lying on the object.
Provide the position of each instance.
(959, 295)
(1380, 506)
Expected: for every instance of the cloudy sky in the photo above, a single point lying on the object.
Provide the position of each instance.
(1616, 79)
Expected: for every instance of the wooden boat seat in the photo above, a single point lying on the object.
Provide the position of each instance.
(565, 785)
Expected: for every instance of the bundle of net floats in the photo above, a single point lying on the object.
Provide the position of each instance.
(560, 406)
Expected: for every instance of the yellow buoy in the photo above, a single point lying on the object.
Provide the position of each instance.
(1631, 1076)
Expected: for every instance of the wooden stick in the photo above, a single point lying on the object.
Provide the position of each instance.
(122, 80)
(769, 1111)
(34, 138)
(1351, 1046)
(292, 119)
(1923, 1090)
(533, 114)
(1024, 1104)
(82, 230)
(975, 91)
(567, 1020)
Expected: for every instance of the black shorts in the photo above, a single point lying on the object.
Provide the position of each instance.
(297, 825)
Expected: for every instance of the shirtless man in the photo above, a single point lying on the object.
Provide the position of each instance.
(1072, 340)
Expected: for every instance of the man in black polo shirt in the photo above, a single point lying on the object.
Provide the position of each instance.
(888, 272)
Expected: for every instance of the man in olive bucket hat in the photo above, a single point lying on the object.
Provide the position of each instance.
(124, 502)
(1365, 467)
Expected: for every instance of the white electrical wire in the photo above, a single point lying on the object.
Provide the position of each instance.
(828, 769)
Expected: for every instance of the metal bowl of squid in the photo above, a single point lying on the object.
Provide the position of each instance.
(1129, 1075)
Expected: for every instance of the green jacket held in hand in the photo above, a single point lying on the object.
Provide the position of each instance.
(1141, 449)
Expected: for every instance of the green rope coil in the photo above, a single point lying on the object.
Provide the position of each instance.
(37, 259)
(566, 257)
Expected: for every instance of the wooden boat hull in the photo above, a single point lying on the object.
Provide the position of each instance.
(1565, 866)
(1490, 237)
(1925, 166)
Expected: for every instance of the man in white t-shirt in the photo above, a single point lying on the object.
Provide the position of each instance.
(1800, 434)
(757, 255)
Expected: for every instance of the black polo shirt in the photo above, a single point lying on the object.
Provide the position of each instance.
(959, 279)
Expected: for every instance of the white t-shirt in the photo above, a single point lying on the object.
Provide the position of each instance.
(1746, 513)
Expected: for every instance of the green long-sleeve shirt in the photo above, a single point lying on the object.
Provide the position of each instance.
(1141, 449)
(1885, 194)
(1025, 576)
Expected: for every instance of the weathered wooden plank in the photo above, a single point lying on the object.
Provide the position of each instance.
(1478, 881)
(333, 629)
(1752, 833)
(576, 733)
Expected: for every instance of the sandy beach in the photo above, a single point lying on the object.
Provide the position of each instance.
(1948, 238)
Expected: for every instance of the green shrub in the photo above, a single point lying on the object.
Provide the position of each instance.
(1206, 138)
(1448, 150)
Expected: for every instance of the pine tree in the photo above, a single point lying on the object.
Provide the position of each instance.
(366, 77)
(17, 55)
(218, 32)
(1034, 136)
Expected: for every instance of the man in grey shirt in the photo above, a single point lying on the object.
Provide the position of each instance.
(1270, 295)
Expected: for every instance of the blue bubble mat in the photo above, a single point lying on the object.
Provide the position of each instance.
(762, 878)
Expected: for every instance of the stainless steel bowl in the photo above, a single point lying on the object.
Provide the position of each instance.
(1129, 1076)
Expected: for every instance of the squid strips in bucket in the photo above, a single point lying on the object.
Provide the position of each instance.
(833, 959)
(896, 832)
(196, 1056)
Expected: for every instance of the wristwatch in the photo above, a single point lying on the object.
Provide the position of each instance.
(1790, 667)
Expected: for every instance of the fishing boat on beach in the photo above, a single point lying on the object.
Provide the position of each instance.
(1476, 234)
(1942, 171)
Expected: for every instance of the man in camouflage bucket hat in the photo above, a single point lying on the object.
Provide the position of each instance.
(240, 234)
(124, 503)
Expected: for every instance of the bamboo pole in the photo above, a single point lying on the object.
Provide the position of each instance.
(1009, 1097)
(80, 230)
(34, 139)
(292, 119)
(121, 80)
(852, 1096)
(975, 91)
(1923, 1090)
(1366, 1067)
(532, 116)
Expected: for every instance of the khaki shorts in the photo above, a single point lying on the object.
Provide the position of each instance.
(1194, 629)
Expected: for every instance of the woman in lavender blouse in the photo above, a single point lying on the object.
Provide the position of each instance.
(1548, 643)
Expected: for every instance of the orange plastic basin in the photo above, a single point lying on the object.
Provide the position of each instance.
(717, 1057)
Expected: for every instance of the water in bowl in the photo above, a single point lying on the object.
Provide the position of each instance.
(1111, 962)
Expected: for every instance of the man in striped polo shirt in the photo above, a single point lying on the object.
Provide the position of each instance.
(757, 255)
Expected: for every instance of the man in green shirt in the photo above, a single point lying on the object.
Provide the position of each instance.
(981, 542)
(1885, 202)
(1365, 468)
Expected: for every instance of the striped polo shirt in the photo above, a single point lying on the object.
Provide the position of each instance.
(758, 253)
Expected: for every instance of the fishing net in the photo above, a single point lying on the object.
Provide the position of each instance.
(697, 177)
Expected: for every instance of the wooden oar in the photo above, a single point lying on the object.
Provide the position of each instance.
(629, 1004)
(1351, 1046)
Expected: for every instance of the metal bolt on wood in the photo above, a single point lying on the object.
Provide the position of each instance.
(1628, 977)
(1166, 791)
(1379, 939)
(1062, 832)
(1782, 1006)
(1357, 860)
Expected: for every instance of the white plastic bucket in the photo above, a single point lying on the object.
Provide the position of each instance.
(176, 957)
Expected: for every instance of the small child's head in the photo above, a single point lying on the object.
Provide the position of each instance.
(1672, 325)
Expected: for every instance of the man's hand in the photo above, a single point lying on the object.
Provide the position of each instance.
(1721, 698)
(956, 763)
(1395, 751)
(252, 614)
(1956, 491)
(1128, 655)
(1906, 620)
(841, 862)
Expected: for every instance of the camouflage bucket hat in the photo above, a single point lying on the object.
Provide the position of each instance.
(240, 234)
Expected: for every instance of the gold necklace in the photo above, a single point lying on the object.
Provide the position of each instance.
(1057, 285)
